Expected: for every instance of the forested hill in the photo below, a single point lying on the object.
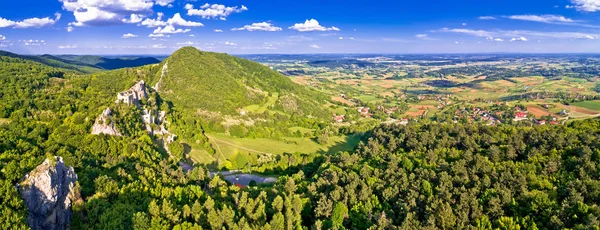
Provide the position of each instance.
(56, 62)
(420, 176)
(218, 82)
(111, 63)
(84, 63)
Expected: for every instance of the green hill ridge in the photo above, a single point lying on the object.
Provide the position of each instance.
(110, 63)
(56, 62)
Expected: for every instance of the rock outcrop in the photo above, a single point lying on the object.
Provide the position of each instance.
(105, 124)
(48, 191)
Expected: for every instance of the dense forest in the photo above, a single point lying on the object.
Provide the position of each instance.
(428, 175)
(425, 175)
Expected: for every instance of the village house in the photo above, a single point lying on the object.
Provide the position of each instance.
(364, 111)
(520, 116)
(539, 122)
(339, 118)
(403, 121)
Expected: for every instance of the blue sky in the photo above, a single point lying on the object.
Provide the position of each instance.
(309, 26)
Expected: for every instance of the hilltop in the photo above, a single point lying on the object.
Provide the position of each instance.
(217, 82)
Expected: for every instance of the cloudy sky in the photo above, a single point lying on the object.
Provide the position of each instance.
(308, 26)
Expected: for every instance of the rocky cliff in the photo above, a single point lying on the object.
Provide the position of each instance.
(48, 191)
(105, 124)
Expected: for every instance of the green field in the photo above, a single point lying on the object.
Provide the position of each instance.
(593, 105)
(369, 98)
(228, 146)
(302, 130)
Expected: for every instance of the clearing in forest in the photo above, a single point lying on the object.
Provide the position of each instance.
(264, 107)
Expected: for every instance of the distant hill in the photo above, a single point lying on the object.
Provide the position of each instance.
(111, 63)
(53, 61)
(217, 82)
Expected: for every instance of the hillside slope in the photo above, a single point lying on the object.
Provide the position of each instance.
(222, 83)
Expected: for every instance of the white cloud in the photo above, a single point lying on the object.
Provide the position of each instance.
(32, 42)
(107, 12)
(151, 23)
(522, 33)
(260, 26)
(328, 34)
(230, 43)
(170, 30)
(312, 25)
(192, 35)
(164, 2)
(158, 36)
(129, 35)
(6, 23)
(208, 11)
(494, 39)
(218, 31)
(341, 38)
(315, 47)
(299, 38)
(424, 37)
(551, 19)
(70, 29)
(30, 22)
(178, 21)
(351, 38)
(188, 43)
(2, 38)
(67, 47)
(464, 24)
(158, 46)
(479, 33)
(264, 46)
(486, 18)
(522, 39)
(585, 5)
(134, 18)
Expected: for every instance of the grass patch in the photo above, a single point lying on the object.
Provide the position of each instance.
(301, 129)
(592, 105)
(201, 156)
(264, 107)
(228, 146)
(369, 98)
